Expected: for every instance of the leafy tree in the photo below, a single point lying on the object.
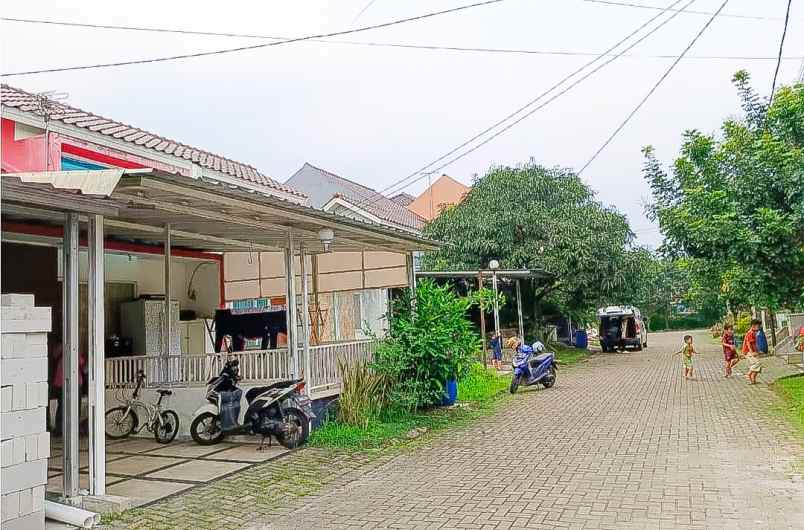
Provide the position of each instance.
(735, 203)
(537, 218)
(430, 341)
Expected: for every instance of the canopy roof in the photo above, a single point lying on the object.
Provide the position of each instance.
(204, 214)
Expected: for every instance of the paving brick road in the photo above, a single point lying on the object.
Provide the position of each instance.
(620, 442)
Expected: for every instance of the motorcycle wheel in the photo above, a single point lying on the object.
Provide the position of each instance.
(298, 429)
(550, 380)
(119, 424)
(514, 384)
(167, 431)
(206, 429)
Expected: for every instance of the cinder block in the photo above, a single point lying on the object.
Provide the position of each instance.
(10, 507)
(31, 447)
(17, 300)
(26, 319)
(36, 340)
(16, 345)
(23, 370)
(27, 475)
(26, 502)
(33, 521)
(19, 450)
(7, 452)
(38, 498)
(19, 401)
(36, 394)
(44, 445)
(6, 398)
(23, 422)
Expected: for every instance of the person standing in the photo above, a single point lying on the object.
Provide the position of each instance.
(729, 349)
(687, 351)
(496, 351)
(751, 353)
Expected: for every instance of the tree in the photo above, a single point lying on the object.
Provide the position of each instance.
(537, 218)
(735, 204)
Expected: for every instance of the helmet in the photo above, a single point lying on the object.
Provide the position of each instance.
(538, 347)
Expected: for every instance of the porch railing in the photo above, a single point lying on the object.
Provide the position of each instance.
(255, 366)
(325, 378)
(191, 370)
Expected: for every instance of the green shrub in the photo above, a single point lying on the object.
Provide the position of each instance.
(363, 394)
(430, 341)
(742, 323)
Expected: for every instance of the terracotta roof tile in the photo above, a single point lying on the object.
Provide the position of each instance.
(28, 102)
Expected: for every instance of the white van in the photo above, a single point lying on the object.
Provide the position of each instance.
(622, 327)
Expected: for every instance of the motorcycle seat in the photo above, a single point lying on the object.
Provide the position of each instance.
(542, 356)
(256, 391)
(163, 392)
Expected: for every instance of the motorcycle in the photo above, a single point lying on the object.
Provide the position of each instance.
(279, 409)
(532, 365)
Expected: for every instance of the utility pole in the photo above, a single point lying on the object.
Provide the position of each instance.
(482, 320)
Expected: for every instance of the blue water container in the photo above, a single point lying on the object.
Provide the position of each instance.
(451, 394)
(581, 339)
(762, 341)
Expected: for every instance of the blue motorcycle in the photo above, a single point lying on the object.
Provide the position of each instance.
(533, 366)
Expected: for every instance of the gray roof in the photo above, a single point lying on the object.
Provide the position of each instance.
(403, 199)
(28, 102)
(322, 186)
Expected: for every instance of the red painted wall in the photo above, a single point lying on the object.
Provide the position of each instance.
(21, 155)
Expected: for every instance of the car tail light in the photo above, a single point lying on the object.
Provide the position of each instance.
(300, 386)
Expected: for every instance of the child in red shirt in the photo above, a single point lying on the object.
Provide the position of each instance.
(751, 353)
(729, 349)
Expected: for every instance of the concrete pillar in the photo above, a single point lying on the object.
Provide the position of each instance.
(167, 330)
(97, 357)
(71, 391)
(519, 311)
(291, 316)
(25, 440)
(305, 316)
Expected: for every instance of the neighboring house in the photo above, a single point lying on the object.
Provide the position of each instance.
(444, 192)
(336, 194)
(403, 199)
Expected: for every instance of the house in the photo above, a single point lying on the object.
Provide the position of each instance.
(445, 191)
(98, 215)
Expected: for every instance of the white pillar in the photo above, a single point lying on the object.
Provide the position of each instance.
(71, 391)
(305, 317)
(167, 330)
(496, 303)
(519, 311)
(97, 337)
(411, 265)
(291, 305)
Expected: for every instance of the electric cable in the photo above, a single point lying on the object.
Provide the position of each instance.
(645, 6)
(257, 46)
(781, 48)
(431, 47)
(406, 182)
(653, 89)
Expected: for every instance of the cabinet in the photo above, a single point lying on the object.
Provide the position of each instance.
(144, 322)
(195, 339)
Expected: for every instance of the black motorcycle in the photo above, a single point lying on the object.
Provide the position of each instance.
(279, 409)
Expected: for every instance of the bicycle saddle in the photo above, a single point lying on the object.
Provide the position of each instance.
(165, 392)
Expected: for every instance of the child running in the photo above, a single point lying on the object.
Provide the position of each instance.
(687, 351)
(729, 350)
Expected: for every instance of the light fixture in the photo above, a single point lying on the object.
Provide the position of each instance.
(494, 264)
(327, 236)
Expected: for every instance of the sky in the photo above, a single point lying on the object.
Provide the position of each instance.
(376, 114)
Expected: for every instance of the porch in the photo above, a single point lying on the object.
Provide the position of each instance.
(177, 214)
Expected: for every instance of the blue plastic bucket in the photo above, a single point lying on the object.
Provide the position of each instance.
(451, 394)
(581, 340)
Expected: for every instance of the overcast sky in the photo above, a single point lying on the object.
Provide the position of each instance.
(375, 114)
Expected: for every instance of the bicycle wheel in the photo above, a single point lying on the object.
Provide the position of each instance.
(167, 430)
(120, 422)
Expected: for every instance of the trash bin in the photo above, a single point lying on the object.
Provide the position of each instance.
(581, 339)
(451, 393)
(762, 341)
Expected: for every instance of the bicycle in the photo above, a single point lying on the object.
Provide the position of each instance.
(122, 421)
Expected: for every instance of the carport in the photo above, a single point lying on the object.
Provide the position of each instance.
(175, 213)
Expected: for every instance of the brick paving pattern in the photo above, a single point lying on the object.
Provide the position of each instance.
(621, 442)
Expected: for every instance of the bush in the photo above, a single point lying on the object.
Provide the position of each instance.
(430, 342)
(363, 394)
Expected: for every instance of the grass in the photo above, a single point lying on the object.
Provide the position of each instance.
(791, 390)
(568, 355)
(478, 394)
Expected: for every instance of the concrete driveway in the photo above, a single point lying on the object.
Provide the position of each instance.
(621, 441)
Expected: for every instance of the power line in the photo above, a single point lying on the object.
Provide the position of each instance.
(644, 6)
(432, 47)
(365, 8)
(262, 45)
(405, 182)
(781, 47)
(654, 88)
